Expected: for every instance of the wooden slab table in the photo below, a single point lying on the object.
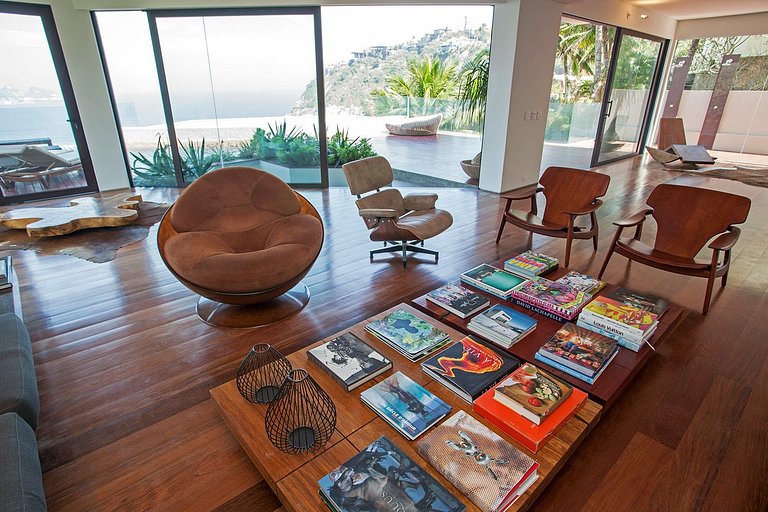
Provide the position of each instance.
(616, 377)
(294, 478)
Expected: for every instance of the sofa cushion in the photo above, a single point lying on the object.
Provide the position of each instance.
(21, 479)
(18, 385)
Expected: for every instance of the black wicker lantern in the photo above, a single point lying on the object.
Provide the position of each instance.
(302, 417)
(261, 374)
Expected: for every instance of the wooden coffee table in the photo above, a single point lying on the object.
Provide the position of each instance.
(294, 478)
(616, 377)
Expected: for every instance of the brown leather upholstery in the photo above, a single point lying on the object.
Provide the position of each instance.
(241, 231)
(686, 219)
(390, 216)
(570, 193)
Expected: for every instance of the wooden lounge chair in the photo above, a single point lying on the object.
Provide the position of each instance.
(426, 125)
(38, 163)
(673, 147)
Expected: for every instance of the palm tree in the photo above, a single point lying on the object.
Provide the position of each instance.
(473, 88)
(576, 49)
(429, 78)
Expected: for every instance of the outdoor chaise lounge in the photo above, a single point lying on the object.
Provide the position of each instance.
(426, 125)
(37, 163)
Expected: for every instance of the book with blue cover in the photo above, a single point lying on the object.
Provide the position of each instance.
(502, 325)
(405, 405)
(408, 334)
(382, 477)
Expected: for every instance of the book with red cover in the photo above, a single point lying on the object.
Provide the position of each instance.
(469, 367)
(553, 296)
(525, 432)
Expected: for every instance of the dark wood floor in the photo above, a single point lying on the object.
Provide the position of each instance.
(124, 366)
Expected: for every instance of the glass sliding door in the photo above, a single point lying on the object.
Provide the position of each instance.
(234, 84)
(632, 83)
(42, 146)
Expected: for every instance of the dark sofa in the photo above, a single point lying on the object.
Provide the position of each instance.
(21, 481)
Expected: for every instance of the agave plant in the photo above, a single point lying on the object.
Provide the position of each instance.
(194, 161)
(342, 149)
(160, 165)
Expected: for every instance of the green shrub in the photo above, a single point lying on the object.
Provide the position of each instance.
(342, 149)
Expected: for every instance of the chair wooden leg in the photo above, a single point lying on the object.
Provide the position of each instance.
(594, 242)
(568, 243)
(608, 256)
(724, 280)
(708, 295)
(501, 228)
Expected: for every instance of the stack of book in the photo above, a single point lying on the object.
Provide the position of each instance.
(531, 264)
(579, 352)
(493, 280)
(460, 301)
(382, 477)
(5, 273)
(582, 282)
(626, 316)
(349, 360)
(502, 325)
(484, 467)
(408, 334)
(530, 405)
(405, 405)
(552, 299)
(469, 367)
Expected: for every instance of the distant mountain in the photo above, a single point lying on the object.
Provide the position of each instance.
(348, 85)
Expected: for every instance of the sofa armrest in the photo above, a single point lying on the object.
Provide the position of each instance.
(419, 201)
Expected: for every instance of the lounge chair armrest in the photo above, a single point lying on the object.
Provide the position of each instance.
(523, 193)
(727, 240)
(378, 213)
(634, 220)
(587, 209)
(419, 201)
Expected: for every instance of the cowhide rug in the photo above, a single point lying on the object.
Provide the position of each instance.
(96, 245)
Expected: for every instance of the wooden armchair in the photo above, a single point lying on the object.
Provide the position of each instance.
(570, 193)
(686, 218)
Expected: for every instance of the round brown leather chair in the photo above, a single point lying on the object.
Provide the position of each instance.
(242, 239)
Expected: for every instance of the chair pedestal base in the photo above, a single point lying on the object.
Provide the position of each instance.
(405, 248)
(232, 316)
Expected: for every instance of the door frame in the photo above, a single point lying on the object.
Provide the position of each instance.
(70, 103)
(652, 95)
(313, 11)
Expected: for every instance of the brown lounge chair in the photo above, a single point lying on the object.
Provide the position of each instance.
(673, 147)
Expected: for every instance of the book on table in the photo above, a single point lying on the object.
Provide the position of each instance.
(349, 360)
(383, 478)
(582, 282)
(502, 325)
(558, 298)
(488, 470)
(629, 325)
(408, 334)
(459, 300)
(493, 280)
(584, 352)
(531, 264)
(522, 430)
(469, 367)
(532, 392)
(644, 301)
(405, 405)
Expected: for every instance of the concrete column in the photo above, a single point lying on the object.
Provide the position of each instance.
(523, 48)
(78, 41)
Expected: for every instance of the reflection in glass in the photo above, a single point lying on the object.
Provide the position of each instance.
(37, 145)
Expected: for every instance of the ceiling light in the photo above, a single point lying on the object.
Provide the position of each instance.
(643, 16)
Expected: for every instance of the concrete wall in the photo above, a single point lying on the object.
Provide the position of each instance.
(624, 14)
(743, 127)
(724, 26)
(522, 58)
